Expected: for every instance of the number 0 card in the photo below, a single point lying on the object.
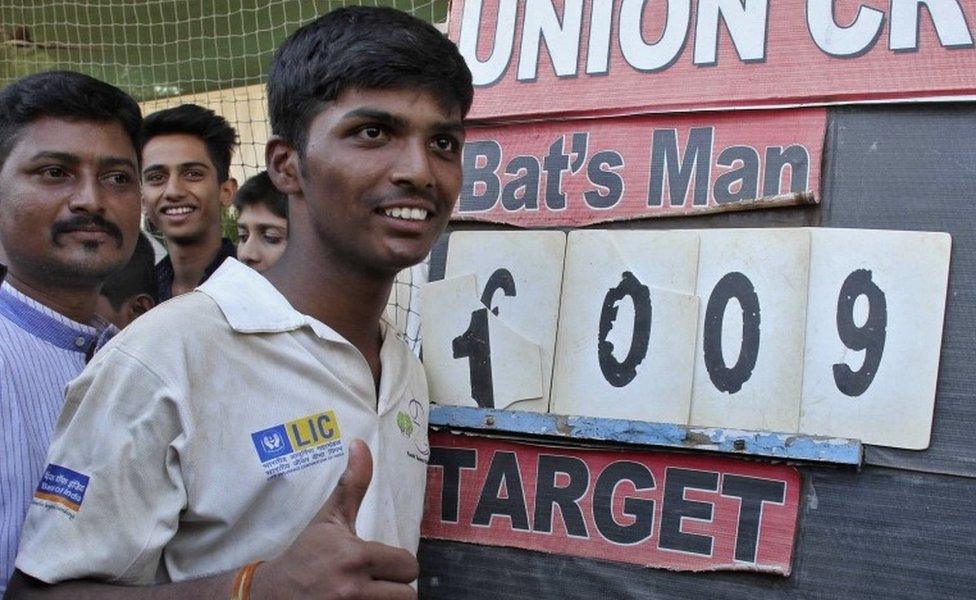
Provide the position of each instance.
(627, 326)
(749, 363)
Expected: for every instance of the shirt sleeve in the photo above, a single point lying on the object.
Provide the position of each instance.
(14, 487)
(111, 495)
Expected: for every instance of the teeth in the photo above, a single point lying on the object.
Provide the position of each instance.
(177, 210)
(410, 214)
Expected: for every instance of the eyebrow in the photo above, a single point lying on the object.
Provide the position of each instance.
(395, 122)
(74, 160)
(64, 157)
(380, 116)
(116, 161)
(185, 165)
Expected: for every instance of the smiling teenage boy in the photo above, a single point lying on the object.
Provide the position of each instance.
(207, 436)
(186, 182)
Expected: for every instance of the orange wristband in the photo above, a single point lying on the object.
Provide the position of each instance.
(242, 582)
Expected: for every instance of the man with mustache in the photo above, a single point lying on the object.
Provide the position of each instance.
(69, 216)
(186, 181)
(236, 423)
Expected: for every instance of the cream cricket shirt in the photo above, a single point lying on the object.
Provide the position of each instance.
(209, 433)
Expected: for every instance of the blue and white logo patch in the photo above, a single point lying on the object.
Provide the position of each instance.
(61, 489)
(272, 443)
(299, 443)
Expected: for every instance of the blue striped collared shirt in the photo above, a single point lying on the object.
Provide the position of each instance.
(40, 352)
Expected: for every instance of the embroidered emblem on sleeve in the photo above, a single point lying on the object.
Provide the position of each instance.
(291, 446)
(61, 489)
(412, 424)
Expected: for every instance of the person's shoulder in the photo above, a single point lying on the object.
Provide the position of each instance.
(16, 342)
(186, 319)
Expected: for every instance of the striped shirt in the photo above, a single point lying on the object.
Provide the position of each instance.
(40, 352)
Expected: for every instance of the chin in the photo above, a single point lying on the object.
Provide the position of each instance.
(88, 272)
(403, 260)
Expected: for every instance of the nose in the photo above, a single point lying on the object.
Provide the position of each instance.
(88, 196)
(413, 166)
(174, 188)
(248, 252)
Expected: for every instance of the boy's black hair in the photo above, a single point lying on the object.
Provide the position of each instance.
(360, 47)
(215, 132)
(137, 277)
(260, 190)
(64, 95)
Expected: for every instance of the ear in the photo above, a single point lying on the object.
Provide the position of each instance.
(137, 306)
(227, 191)
(284, 168)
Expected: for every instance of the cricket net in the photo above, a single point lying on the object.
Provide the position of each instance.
(166, 52)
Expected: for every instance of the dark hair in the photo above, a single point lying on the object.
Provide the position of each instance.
(214, 130)
(360, 47)
(138, 276)
(64, 95)
(260, 190)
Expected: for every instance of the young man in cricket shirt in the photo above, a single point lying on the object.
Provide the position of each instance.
(206, 437)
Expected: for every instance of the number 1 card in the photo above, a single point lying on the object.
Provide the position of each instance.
(472, 358)
(519, 276)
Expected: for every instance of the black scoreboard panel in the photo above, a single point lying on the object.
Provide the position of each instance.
(880, 533)
(903, 526)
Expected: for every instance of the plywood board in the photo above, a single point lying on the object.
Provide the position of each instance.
(548, 58)
(673, 511)
(574, 172)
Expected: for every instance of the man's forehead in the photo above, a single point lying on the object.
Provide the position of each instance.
(81, 139)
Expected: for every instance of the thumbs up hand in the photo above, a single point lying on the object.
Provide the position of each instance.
(329, 561)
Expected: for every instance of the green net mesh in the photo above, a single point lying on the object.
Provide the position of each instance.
(166, 52)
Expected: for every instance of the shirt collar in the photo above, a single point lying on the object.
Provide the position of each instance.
(165, 274)
(252, 305)
(51, 326)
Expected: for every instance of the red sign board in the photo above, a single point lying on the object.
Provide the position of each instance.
(673, 511)
(578, 172)
(601, 57)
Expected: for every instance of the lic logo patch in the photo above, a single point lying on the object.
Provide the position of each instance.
(299, 443)
(272, 443)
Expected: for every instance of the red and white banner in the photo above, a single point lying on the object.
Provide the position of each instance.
(539, 58)
(584, 171)
(673, 511)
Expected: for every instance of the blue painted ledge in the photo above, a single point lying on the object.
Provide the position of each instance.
(783, 446)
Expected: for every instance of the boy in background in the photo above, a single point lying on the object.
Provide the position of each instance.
(262, 222)
(132, 291)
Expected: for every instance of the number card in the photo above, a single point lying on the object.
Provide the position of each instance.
(472, 357)
(627, 326)
(749, 360)
(874, 334)
(519, 276)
